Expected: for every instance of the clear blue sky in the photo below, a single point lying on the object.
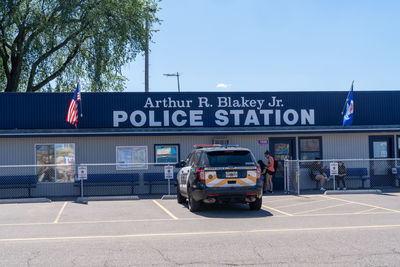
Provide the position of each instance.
(270, 45)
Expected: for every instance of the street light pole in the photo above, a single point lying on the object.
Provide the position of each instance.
(177, 78)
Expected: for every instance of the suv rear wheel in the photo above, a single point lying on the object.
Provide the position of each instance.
(193, 204)
(181, 199)
(256, 205)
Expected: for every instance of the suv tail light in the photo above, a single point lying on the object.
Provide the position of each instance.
(258, 173)
(201, 174)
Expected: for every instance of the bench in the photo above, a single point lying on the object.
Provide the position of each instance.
(114, 179)
(156, 178)
(352, 174)
(18, 181)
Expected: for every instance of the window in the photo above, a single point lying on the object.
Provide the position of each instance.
(56, 162)
(189, 159)
(131, 157)
(310, 148)
(398, 147)
(380, 149)
(166, 154)
(229, 158)
(196, 159)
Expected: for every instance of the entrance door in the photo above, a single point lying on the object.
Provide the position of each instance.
(381, 147)
(281, 149)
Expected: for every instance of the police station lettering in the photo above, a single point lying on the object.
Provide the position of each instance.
(223, 111)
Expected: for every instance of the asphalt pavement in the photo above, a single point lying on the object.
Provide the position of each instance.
(323, 230)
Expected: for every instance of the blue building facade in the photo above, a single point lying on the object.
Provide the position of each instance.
(174, 111)
(159, 127)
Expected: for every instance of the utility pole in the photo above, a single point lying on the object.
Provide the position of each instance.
(146, 52)
(146, 58)
(177, 78)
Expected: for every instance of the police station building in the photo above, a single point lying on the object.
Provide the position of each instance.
(130, 133)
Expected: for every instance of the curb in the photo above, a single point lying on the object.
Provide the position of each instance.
(104, 198)
(342, 192)
(24, 200)
(168, 197)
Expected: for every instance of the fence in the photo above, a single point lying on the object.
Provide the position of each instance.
(108, 179)
(359, 174)
(18, 181)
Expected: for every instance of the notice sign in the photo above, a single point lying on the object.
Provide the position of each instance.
(169, 172)
(82, 172)
(334, 169)
(263, 142)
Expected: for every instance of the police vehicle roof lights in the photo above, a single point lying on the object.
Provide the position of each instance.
(197, 146)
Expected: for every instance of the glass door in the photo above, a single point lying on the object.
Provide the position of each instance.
(281, 149)
(381, 148)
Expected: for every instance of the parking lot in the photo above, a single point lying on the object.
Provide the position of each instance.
(289, 230)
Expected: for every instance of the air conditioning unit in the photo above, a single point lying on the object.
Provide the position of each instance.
(220, 141)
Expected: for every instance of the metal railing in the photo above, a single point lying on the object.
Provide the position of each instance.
(112, 179)
(102, 179)
(303, 176)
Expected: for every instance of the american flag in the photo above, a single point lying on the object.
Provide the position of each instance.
(72, 116)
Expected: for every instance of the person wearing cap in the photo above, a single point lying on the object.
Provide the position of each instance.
(269, 171)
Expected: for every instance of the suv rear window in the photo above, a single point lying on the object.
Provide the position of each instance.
(225, 158)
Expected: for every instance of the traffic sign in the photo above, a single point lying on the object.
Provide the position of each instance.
(334, 168)
(169, 172)
(82, 172)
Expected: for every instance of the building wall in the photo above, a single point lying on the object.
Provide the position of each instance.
(20, 151)
(347, 146)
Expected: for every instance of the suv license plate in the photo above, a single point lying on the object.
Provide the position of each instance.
(231, 174)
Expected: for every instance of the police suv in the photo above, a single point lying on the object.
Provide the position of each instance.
(219, 173)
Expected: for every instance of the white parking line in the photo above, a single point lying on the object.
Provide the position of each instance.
(356, 227)
(271, 208)
(60, 212)
(99, 222)
(323, 208)
(303, 203)
(362, 204)
(166, 211)
(368, 210)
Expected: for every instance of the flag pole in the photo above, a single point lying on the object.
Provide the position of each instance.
(347, 98)
(80, 101)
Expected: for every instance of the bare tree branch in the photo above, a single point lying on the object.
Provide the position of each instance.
(49, 53)
(57, 72)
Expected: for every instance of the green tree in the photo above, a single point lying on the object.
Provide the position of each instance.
(46, 45)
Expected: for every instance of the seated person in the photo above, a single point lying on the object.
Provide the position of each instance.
(341, 174)
(317, 173)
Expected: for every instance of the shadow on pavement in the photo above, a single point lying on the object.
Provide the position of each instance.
(231, 211)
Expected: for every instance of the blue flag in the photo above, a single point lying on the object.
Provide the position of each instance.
(348, 116)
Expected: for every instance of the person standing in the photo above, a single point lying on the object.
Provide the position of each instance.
(270, 171)
(263, 168)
